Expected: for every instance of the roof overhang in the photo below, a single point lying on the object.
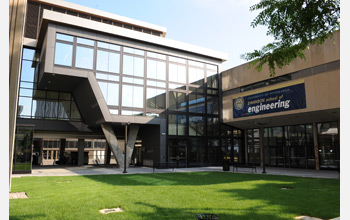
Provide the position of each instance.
(69, 20)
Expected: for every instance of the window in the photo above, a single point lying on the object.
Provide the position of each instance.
(177, 101)
(213, 126)
(134, 51)
(177, 124)
(212, 105)
(156, 55)
(110, 92)
(156, 69)
(64, 37)
(63, 54)
(196, 103)
(155, 98)
(108, 46)
(107, 61)
(196, 76)
(156, 83)
(84, 57)
(196, 125)
(107, 77)
(133, 66)
(132, 96)
(177, 73)
(85, 41)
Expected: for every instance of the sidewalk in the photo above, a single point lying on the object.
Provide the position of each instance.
(96, 170)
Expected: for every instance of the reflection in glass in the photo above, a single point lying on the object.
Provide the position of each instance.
(75, 112)
(28, 54)
(63, 54)
(212, 105)
(38, 108)
(110, 92)
(155, 98)
(132, 96)
(26, 92)
(176, 124)
(196, 103)
(24, 106)
(196, 125)
(133, 66)
(108, 46)
(51, 108)
(84, 57)
(64, 37)
(156, 69)
(64, 110)
(22, 155)
(213, 126)
(196, 76)
(177, 73)
(177, 101)
(156, 55)
(28, 71)
(107, 61)
(85, 41)
(212, 82)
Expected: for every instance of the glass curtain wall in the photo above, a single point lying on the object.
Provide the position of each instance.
(42, 104)
(22, 155)
(139, 82)
(289, 146)
(253, 142)
(329, 147)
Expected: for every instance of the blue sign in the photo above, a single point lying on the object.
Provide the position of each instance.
(277, 100)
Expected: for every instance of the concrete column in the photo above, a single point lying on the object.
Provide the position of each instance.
(246, 146)
(41, 144)
(262, 155)
(107, 154)
(62, 149)
(317, 158)
(114, 145)
(17, 13)
(80, 152)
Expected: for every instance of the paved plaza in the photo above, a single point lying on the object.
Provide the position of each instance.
(112, 169)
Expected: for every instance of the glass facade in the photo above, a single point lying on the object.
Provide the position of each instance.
(42, 104)
(22, 155)
(329, 147)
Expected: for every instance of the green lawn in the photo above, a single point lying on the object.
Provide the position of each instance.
(175, 196)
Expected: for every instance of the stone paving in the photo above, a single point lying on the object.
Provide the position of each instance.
(101, 170)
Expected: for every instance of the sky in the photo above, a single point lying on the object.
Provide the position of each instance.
(218, 25)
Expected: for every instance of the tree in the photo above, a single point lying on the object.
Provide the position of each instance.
(294, 24)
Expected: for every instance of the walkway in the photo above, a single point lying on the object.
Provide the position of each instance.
(102, 170)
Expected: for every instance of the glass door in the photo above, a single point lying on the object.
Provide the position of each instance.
(329, 147)
(177, 151)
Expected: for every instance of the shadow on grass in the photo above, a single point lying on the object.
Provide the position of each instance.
(184, 179)
(190, 213)
(23, 217)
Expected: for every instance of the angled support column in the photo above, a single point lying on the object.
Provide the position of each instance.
(113, 143)
(132, 134)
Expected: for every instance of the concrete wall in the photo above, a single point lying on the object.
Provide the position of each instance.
(315, 55)
(322, 89)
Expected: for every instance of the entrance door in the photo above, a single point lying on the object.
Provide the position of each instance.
(177, 151)
(297, 146)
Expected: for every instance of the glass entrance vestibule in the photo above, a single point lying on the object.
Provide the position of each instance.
(293, 146)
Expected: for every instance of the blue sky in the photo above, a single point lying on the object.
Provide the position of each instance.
(219, 25)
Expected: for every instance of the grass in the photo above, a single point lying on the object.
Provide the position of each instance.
(175, 196)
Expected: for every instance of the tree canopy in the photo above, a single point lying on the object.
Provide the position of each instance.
(294, 24)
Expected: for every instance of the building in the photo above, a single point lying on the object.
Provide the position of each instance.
(87, 75)
(92, 82)
(294, 116)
